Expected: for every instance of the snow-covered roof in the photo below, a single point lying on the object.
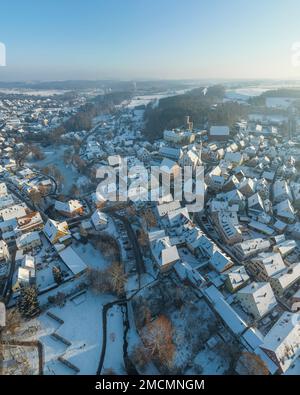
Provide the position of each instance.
(219, 131)
(165, 208)
(163, 252)
(237, 276)
(220, 262)
(27, 238)
(284, 340)
(226, 312)
(53, 228)
(72, 260)
(69, 207)
(285, 247)
(15, 211)
(99, 218)
(288, 276)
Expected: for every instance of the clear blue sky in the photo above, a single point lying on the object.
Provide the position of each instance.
(89, 39)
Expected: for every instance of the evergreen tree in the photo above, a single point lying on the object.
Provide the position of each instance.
(57, 274)
(28, 303)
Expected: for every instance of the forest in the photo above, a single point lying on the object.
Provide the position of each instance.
(205, 106)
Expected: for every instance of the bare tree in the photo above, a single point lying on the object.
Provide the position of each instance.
(251, 364)
(158, 339)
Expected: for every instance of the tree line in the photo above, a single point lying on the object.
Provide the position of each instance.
(205, 106)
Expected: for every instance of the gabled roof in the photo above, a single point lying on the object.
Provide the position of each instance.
(272, 262)
(284, 340)
(219, 261)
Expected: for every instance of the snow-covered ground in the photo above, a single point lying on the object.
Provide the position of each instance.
(113, 360)
(82, 327)
(32, 92)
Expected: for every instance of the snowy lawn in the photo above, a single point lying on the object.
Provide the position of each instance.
(113, 360)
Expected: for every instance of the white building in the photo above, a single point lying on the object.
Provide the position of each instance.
(282, 343)
(250, 248)
(285, 279)
(28, 241)
(99, 220)
(265, 265)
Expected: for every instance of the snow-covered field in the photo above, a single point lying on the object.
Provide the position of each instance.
(113, 360)
(276, 118)
(82, 327)
(32, 92)
(279, 102)
(146, 99)
(54, 157)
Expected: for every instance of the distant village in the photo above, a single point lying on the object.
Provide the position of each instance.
(221, 285)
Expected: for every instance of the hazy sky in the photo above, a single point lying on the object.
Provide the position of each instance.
(89, 39)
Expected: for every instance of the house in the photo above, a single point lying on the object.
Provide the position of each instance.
(191, 158)
(285, 211)
(4, 252)
(164, 254)
(236, 158)
(281, 191)
(26, 273)
(169, 168)
(233, 197)
(30, 222)
(282, 342)
(249, 248)
(55, 230)
(6, 201)
(2, 315)
(72, 260)
(265, 265)
(25, 173)
(15, 211)
(28, 241)
(219, 133)
(247, 187)
(3, 189)
(231, 183)
(170, 153)
(261, 227)
(257, 299)
(285, 247)
(285, 279)
(236, 278)
(165, 208)
(219, 262)
(227, 225)
(98, 199)
(71, 208)
(179, 136)
(229, 316)
(99, 220)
